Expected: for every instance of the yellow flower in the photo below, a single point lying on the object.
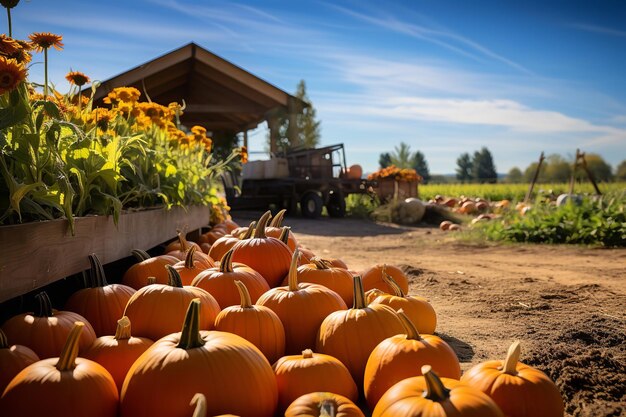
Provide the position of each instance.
(77, 78)
(123, 94)
(208, 144)
(176, 108)
(45, 40)
(8, 46)
(101, 117)
(244, 155)
(198, 131)
(11, 74)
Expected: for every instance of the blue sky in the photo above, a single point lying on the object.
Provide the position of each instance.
(446, 77)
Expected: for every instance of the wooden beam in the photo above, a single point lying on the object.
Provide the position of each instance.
(226, 108)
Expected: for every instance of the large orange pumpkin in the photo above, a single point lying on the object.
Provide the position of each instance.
(301, 308)
(321, 272)
(137, 275)
(402, 356)
(103, 303)
(373, 278)
(257, 324)
(45, 331)
(519, 390)
(267, 255)
(312, 372)
(431, 396)
(62, 386)
(219, 281)
(323, 404)
(117, 353)
(229, 371)
(13, 359)
(157, 310)
(351, 335)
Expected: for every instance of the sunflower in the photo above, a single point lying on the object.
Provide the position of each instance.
(9, 4)
(198, 131)
(77, 78)
(101, 117)
(11, 74)
(44, 40)
(8, 46)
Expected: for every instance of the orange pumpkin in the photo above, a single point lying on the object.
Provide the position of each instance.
(228, 370)
(183, 248)
(117, 353)
(103, 303)
(418, 309)
(369, 325)
(267, 255)
(519, 390)
(305, 255)
(226, 243)
(402, 356)
(257, 324)
(338, 263)
(137, 275)
(13, 359)
(157, 310)
(321, 272)
(322, 404)
(45, 331)
(373, 278)
(297, 375)
(275, 229)
(190, 267)
(180, 244)
(301, 308)
(373, 294)
(62, 386)
(431, 396)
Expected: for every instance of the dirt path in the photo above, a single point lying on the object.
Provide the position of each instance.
(567, 305)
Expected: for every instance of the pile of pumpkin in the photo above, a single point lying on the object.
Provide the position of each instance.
(266, 331)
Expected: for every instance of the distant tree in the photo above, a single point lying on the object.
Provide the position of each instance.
(384, 160)
(464, 167)
(440, 179)
(557, 169)
(514, 176)
(529, 172)
(483, 169)
(401, 156)
(599, 168)
(421, 166)
(620, 173)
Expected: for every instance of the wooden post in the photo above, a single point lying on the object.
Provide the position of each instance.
(572, 179)
(534, 180)
(589, 174)
(245, 139)
(273, 122)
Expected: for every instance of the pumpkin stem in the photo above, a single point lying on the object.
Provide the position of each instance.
(292, 279)
(184, 245)
(189, 257)
(152, 280)
(307, 354)
(284, 234)
(319, 263)
(44, 305)
(4, 342)
(512, 357)
(199, 401)
(190, 337)
(435, 390)
(277, 221)
(140, 254)
(67, 360)
(122, 331)
(244, 294)
(173, 277)
(98, 278)
(411, 331)
(387, 279)
(259, 231)
(226, 263)
(249, 232)
(328, 408)
(358, 293)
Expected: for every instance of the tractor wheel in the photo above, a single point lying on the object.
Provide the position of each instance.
(311, 205)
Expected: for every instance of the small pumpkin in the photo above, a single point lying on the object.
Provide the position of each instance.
(520, 390)
(183, 249)
(338, 263)
(305, 255)
(322, 272)
(323, 404)
(190, 267)
(431, 396)
(275, 229)
(180, 245)
(373, 278)
(13, 359)
(226, 243)
(67, 385)
(137, 275)
(257, 324)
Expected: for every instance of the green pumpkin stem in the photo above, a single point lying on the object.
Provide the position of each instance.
(173, 278)
(140, 254)
(307, 354)
(4, 342)
(226, 263)
(122, 331)
(189, 257)
(190, 337)
(249, 232)
(320, 263)
(435, 390)
(44, 305)
(387, 279)
(97, 276)
(259, 230)
(411, 331)
(244, 294)
(292, 278)
(284, 234)
(277, 221)
(199, 401)
(67, 359)
(358, 293)
(512, 357)
(328, 408)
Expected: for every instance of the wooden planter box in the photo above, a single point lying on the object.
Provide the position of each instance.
(36, 254)
(389, 187)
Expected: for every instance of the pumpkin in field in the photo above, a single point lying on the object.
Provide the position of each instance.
(137, 275)
(519, 390)
(368, 325)
(219, 281)
(63, 386)
(228, 370)
(321, 272)
(373, 294)
(13, 359)
(45, 331)
(101, 304)
(302, 308)
(257, 324)
(267, 255)
(373, 278)
(190, 267)
(226, 243)
(199, 257)
(297, 375)
(179, 247)
(117, 353)
(157, 310)
(402, 356)
(418, 309)
(338, 263)
(275, 229)
(431, 396)
(323, 404)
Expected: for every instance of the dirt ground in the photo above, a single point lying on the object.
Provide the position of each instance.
(567, 305)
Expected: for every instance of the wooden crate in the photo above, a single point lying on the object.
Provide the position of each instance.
(389, 187)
